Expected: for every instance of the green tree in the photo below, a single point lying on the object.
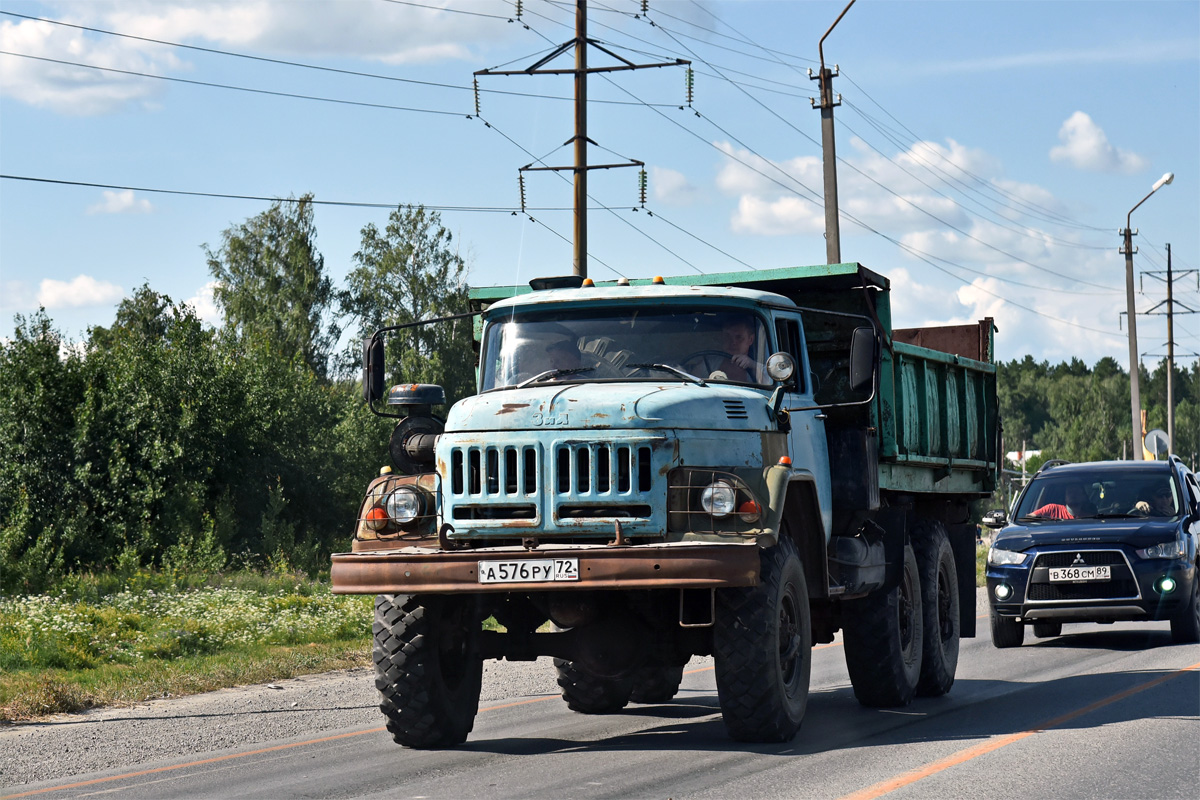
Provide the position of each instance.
(409, 272)
(271, 283)
(41, 384)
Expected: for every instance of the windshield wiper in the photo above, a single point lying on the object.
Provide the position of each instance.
(552, 373)
(687, 376)
(1117, 516)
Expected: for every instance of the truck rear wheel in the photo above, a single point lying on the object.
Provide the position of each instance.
(427, 667)
(591, 694)
(656, 684)
(762, 643)
(883, 637)
(939, 602)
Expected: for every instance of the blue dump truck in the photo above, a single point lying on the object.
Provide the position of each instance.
(734, 465)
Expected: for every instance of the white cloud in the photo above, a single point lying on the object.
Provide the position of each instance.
(121, 203)
(80, 292)
(1085, 146)
(672, 188)
(393, 34)
(15, 295)
(204, 305)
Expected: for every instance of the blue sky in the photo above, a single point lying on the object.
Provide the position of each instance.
(990, 151)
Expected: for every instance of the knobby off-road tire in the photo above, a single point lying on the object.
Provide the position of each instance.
(1045, 630)
(883, 636)
(591, 694)
(656, 684)
(427, 667)
(1006, 632)
(762, 643)
(1185, 625)
(939, 603)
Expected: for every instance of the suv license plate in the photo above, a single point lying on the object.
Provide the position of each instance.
(1073, 574)
(529, 570)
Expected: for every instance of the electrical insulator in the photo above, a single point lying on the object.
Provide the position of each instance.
(645, 6)
(691, 82)
(521, 183)
(642, 186)
(476, 81)
(519, 9)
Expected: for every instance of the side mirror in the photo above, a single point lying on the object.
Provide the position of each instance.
(864, 354)
(372, 377)
(994, 519)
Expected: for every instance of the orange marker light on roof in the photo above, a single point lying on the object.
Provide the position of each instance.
(588, 282)
(658, 280)
(785, 461)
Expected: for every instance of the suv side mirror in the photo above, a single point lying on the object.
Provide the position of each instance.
(994, 519)
(864, 354)
(372, 377)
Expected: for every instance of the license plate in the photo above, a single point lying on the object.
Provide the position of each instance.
(544, 570)
(1073, 574)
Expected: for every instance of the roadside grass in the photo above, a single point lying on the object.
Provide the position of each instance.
(106, 639)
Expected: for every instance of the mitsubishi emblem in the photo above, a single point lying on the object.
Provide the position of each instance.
(1078, 559)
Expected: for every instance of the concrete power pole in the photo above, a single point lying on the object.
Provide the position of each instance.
(580, 140)
(833, 233)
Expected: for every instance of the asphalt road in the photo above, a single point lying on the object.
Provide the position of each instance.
(1100, 712)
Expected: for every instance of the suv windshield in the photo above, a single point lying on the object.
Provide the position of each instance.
(621, 343)
(1104, 492)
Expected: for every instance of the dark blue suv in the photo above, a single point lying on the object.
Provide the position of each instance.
(1097, 542)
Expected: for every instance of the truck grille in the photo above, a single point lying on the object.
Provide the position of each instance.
(566, 483)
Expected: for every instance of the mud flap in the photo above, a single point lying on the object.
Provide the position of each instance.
(962, 542)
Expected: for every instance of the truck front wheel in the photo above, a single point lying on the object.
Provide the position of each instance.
(427, 667)
(591, 694)
(762, 643)
(883, 637)
(939, 597)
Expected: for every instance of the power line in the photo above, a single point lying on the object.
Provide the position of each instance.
(239, 88)
(298, 64)
(265, 198)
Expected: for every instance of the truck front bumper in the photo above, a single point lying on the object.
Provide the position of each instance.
(426, 570)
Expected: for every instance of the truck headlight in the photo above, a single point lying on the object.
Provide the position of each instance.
(718, 499)
(1176, 548)
(403, 505)
(998, 557)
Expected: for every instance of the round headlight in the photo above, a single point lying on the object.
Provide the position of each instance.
(781, 366)
(718, 499)
(403, 505)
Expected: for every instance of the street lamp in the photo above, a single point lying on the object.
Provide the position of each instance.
(1135, 395)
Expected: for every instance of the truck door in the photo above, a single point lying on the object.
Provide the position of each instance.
(806, 442)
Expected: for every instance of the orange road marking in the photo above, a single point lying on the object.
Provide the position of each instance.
(907, 778)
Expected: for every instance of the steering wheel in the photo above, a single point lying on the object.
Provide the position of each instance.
(708, 360)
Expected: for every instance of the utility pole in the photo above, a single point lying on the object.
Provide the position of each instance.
(833, 234)
(580, 168)
(1171, 303)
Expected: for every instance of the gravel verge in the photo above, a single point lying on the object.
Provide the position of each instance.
(75, 744)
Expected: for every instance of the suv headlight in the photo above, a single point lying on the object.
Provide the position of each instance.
(999, 557)
(1176, 548)
(403, 505)
(718, 499)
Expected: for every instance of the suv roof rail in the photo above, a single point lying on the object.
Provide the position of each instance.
(1054, 462)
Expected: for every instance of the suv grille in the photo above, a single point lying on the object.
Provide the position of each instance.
(1122, 586)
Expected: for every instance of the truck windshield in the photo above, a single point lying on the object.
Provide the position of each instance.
(597, 344)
